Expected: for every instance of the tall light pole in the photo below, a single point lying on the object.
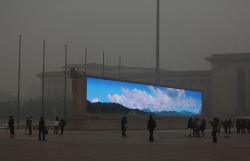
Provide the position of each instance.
(18, 91)
(43, 79)
(65, 82)
(157, 41)
(120, 67)
(85, 64)
(103, 64)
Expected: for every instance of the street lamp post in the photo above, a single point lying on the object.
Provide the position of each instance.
(157, 41)
(103, 64)
(43, 79)
(18, 92)
(65, 82)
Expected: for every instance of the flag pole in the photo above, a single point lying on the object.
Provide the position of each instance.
(43, 79)
(19, 71)
(65, 82)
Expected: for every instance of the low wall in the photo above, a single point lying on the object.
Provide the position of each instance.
(111, 122)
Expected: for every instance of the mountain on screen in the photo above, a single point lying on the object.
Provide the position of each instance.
(118, 109)
(113, 109)
(175, 113)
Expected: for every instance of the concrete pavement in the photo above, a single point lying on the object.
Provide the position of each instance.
(110, 146)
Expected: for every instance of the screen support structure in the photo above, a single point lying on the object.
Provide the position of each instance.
(78, 91)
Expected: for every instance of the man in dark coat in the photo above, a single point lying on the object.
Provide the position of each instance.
(243, 126)
(248, 126)
(124, 125)
(230, 124)
(238, 125)
(62, 123)
(214, 125)
(202, 127)
(189, 126)
(29, 125)
(41, 128)
(226, 126)
(151, 126)
(11, 123)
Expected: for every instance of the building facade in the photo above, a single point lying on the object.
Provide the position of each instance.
(230, 84)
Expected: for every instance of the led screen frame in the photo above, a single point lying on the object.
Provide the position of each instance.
(115, 97)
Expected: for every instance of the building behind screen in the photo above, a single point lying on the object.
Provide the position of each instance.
(226, 88)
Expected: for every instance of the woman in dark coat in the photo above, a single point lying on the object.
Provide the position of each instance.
(238, 125)
(124, 125)
(11, 127)
(202, 127)
(189, 126)
(151, 127)
(215, 125)
(41, 128)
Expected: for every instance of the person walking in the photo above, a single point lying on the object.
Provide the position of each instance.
(42, 128)
(124, 125)
(151, 126)
(11, 123)
(62, 123)
(215, 125)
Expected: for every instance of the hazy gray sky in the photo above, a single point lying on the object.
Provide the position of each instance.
(190, 30)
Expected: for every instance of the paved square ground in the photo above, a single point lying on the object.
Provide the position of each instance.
(110, 146)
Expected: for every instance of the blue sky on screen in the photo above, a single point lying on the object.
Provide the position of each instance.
(140, 96)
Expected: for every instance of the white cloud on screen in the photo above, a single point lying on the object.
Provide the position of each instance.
(95, 100)
(160, 100)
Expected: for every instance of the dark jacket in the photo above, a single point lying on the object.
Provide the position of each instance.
(151, 124)
(41, 125)
(62, 123)
(123, 123)
(203, 126)
(243, 123)
(215, 125)
(238, 124)
(190, 123)
(11, 123)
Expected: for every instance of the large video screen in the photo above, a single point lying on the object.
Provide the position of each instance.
(125, 98)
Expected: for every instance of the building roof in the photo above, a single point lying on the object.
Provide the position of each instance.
(229, 58)
(127, 73)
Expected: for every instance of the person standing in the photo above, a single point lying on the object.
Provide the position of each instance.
(56, 124)
(41, 128)
(243, 126)
(238, 125)
(230, 125)
(203, 126)
(11, 123)
(189, 126)
(226, 126)
(62, 123)
(124, 125)
(248, 126)
(215, 125)
(151, 126)
(29, 125)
